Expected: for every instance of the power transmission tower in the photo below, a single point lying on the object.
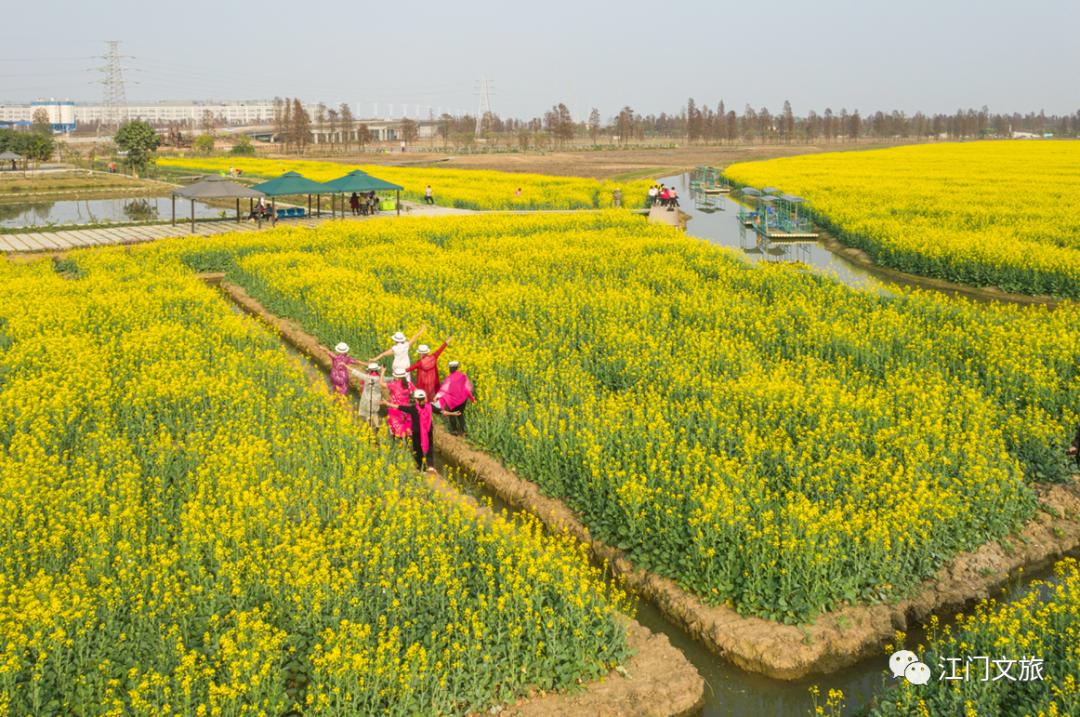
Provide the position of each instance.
(114, 98)
(485, 91)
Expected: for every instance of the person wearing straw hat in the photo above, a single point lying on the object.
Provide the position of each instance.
(339, 368)
(399, 350)
(399, 388)
(455, 393)
(427, 367)
(371, 396)
(420, 417)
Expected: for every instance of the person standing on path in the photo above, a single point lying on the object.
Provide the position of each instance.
(427, 367)
(429, 198)
(1074, 449)
(455, 393)
(423, 438)
(371, 396)
(354, 203)
(399, 390)
(400, 350)
(340, 361)
(653, 194)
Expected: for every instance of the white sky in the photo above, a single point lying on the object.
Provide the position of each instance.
(866, 55)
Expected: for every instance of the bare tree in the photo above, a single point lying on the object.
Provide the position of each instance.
(624, 124)
(301, 125)
(346, 123)
(409, 130)
(594, 125)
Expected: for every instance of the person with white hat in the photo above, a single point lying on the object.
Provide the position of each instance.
(399, 350)
(423, 439)
(427, 367)
(371, 396)
(339, 368)
(399, 388)
(455, 393)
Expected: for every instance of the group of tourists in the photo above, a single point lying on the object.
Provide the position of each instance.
(410, 401)
(664, 196)
(364, 204)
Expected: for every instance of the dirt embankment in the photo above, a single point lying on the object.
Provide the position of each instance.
(788, 652)
(657, 681)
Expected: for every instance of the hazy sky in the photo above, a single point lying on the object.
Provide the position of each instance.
(858, 54)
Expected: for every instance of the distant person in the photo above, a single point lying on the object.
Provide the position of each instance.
(664, 195)
(428, 197)
(373, 202)
(653, 195)
(399, 350)
(673, 199)
(340, 361)
(427, 367)
(616, 197)
(1074, 449)
(403, 146)
(455, 393)
(517, 192)
(354, 203)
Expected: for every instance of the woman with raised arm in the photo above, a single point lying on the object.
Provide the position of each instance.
(423, 438)
(399, 350)
(427, 367)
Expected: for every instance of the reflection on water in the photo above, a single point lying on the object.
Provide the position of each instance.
(96, 211)
(713, 218)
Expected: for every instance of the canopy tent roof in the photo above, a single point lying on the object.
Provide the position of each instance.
(8, 156)
(751, 192)
(215, 187)
(771, 190)
(360, 181)
(791, 198)
(291, 183)
(768, 198)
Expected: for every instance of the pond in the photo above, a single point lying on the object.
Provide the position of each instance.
(118, 210)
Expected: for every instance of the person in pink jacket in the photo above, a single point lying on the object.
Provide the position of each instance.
(340, 360)
(455, 392)
(427, 367)
(400, 388)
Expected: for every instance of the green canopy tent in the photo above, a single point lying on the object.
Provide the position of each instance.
(360, 181)
(213, 187)
(292, 183)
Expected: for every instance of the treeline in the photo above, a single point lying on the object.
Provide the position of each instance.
(702, 123)
(293, 125)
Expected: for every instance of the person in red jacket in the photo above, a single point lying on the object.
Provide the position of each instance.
(427, 368)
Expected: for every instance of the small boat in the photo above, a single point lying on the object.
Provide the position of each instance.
(718, 189)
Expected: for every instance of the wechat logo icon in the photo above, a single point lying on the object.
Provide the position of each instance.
(906, 664)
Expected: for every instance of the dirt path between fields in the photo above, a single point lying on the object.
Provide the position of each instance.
(788, 652)
(656, 681)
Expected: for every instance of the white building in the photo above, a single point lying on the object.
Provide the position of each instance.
(66, 114)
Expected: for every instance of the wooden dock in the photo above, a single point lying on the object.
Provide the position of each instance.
(790, 236)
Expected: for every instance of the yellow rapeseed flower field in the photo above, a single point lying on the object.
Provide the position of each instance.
(1018, 658)
(999, 213)
(462, 188)
(188, 527)
(771, 439)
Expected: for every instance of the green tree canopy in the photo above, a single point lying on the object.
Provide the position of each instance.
(32, 145)
(139, 140)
